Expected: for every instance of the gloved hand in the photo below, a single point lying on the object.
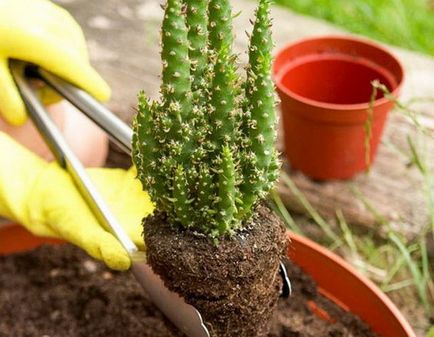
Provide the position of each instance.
(43, 198)
(42, 33)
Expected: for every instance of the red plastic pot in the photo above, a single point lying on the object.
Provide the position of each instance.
(336, 280)
(325, 88)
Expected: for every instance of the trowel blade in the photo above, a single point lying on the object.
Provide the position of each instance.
(184, 316)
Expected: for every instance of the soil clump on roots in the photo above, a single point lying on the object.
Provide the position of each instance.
(234, 283)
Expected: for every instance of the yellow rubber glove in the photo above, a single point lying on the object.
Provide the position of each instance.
(42, 33)
(43, 198)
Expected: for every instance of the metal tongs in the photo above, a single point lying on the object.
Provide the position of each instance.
(184, 316)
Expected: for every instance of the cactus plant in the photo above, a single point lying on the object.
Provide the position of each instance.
(204, 151)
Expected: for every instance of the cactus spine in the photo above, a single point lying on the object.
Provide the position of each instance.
(205, 150)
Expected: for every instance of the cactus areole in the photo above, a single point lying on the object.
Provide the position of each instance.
(205, 153)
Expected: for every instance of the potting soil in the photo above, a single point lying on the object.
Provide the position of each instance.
(58, 291)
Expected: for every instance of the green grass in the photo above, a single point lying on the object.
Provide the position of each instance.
(405, 23)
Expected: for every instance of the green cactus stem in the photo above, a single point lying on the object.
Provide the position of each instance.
(181, 202)
(205, 150)
(220, 24)
(197, 22)
(144, 138)
(227, 192)
(145, 152)
(260, 91)
(260, 98)
(222, 108)
(176, 88)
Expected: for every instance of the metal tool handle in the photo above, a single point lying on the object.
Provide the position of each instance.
(67, 159)
(117, 130)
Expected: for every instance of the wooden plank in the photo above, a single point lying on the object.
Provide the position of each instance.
(123, 41)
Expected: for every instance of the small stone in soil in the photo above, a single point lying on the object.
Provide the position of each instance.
(90, 266)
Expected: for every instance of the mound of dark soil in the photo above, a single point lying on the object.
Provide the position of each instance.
(58, 291)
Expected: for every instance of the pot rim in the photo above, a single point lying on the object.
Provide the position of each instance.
(344, 266)
(30, 241)
(334, 106)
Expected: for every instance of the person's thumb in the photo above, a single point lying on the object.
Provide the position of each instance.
(12, 107)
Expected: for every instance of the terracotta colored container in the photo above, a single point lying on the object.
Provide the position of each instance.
(336, 279)
(325, 87)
